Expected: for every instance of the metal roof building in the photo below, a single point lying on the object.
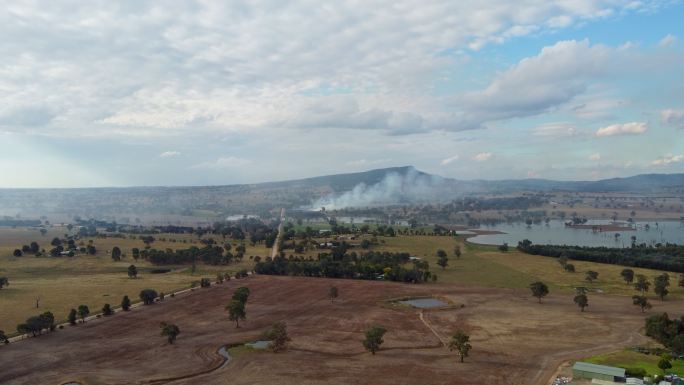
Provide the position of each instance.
(600, 372)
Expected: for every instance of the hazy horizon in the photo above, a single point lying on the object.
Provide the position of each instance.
(198, 93)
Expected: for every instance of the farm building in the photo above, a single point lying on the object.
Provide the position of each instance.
(599, 372)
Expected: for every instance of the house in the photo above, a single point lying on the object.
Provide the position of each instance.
(599, 372)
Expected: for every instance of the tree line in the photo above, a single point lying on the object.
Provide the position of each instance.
(667, 256)
(370, 265)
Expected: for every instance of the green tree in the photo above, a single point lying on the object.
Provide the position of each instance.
(570, 268)
(136, 253)
(3, 337)
(132, 271)
(539, 290)
(4, 281)
(107, 310)
(170, 331)
(627, 275)
(17, 253)
(504, 247)
(642, 284)
(563, 261)
(83, 312)
(457, 251)
(374, 338)
(660, 285)
(664, 364)
(116, 253)
(148, 296)
(591, 276)
(642, 302)
(460, 342)
(72, 316)
(241, 294)
(126, 303)
(333, 293)
(581, 298)
(278, 337)
(236, 311)
(443, 261)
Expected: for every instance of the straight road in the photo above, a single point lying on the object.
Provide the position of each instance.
(276, 245)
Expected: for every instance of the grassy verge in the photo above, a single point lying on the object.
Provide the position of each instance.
(629, 359)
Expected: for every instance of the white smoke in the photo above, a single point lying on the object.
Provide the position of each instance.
(394, 188)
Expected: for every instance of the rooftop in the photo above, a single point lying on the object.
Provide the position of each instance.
(601, 369)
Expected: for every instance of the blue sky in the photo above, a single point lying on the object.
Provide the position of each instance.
(200, 92)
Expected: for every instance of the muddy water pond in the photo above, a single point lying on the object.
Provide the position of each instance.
(424, 303)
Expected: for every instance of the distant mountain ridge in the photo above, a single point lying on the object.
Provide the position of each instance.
(636, 183)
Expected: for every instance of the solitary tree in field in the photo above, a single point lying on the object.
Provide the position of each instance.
(642, 302)
(136, 253)
(591, 276)
(563, 261)
(539, 290)
(374, 339)
(116, 253)
(17, 253)
(457, 251)
(72, 316)
(236, 311)
(642, 284)
(660, 285)
(581, 298)
(4, 282)
(170, 331)
(83, 312)
(664, 364)
(107, 310)
(241, 294)
(132, 271)
(278, 337)
(148, 296)
(126, 303)
(3, 337)
(569, 267)
(627, 275)
(333, 293)
(443, 261)
(460, 342)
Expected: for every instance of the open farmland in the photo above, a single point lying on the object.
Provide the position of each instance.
(64, 283)
(515, 339)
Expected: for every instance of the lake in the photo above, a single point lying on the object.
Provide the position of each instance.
(556, 233)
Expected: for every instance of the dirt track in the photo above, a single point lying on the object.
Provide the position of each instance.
(515, 340)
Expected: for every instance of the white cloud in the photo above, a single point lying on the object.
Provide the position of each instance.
(224, 163)
(633, 128)
(668, 160)
(673, 118)
(449, 160)
(169, 154)
(537, 84)
(667, 41)
(231, 66)
(559, 129)
(482, 157)
(595, 157)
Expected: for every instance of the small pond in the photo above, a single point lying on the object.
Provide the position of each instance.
(261, 344)
(424, 303)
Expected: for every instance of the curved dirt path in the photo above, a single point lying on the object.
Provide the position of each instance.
(225, 358)
(552, 364)
(432, 329)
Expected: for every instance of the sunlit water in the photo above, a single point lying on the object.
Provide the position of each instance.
(556, 233)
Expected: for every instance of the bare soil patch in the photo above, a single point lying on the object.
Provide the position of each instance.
(515, 340)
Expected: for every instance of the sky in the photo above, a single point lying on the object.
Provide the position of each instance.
(142, 93)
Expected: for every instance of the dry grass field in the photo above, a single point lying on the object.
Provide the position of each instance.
(515, 340)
